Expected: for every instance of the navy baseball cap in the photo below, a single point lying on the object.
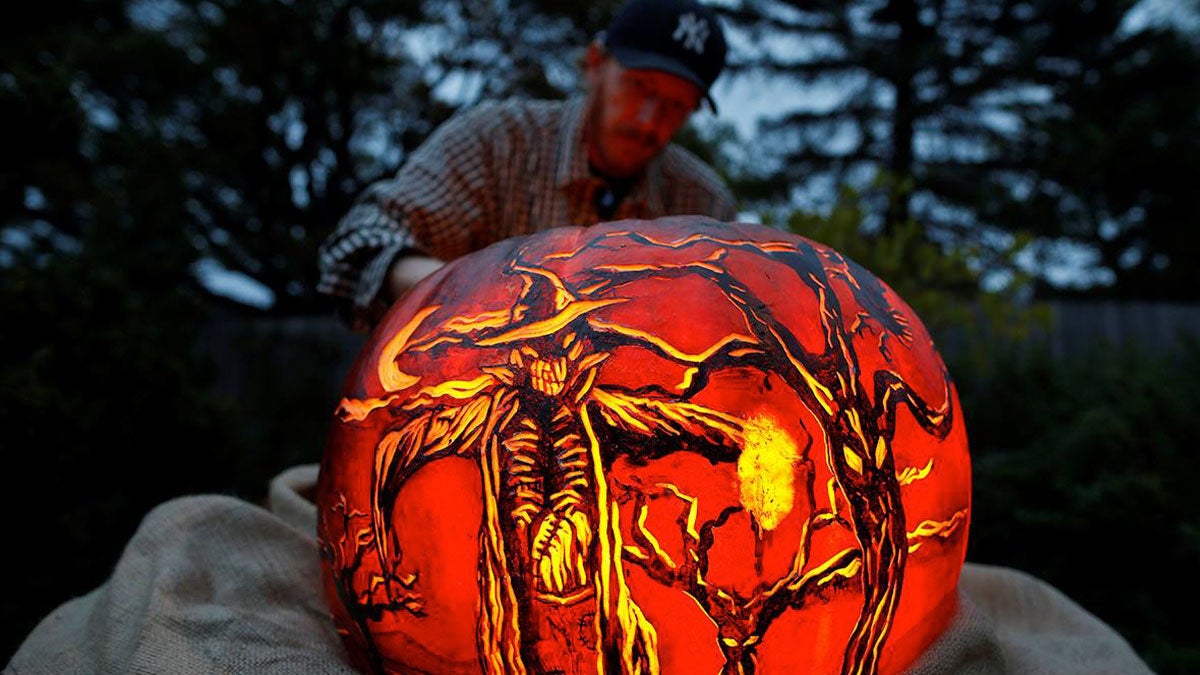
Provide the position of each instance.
(680, 37)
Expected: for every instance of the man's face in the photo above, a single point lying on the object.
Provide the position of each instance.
(634, 113)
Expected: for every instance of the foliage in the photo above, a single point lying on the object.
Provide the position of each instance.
(1085, 475)
(1119, 171)
(274, 130)
(942, 283)
(1004, 119)
(183, 118)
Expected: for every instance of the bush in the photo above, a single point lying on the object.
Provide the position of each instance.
(1085, 475)
(105, 412)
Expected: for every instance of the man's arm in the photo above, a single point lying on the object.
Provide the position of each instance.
(409, 270)
(401, 229)
(354, 261)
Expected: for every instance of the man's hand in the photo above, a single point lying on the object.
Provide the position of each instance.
(407, 271)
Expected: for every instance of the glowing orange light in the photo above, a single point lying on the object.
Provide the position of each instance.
(674, 446)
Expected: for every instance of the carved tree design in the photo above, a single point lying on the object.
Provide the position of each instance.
(859, 447)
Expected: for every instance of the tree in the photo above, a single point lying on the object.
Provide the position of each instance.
(284, 124)
(962, 116)
(1118, 171)
(124, 165)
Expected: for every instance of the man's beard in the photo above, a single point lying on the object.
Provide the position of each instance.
(619, 131)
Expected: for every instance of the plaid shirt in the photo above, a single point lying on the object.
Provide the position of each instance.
(494, 171)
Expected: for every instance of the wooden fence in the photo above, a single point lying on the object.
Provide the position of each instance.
(1154, 326)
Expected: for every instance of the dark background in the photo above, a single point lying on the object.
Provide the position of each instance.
(961, 150)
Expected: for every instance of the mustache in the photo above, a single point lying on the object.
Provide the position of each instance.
(649, 140)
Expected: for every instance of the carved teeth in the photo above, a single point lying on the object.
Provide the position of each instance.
(548, 377)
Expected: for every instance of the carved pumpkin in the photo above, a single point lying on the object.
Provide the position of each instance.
(677, 446)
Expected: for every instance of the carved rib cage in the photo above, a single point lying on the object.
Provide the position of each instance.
(548, 486)
(695, 446)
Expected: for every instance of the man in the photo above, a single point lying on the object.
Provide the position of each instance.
(510, 168)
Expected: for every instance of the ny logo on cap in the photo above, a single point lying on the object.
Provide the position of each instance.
(692, 31)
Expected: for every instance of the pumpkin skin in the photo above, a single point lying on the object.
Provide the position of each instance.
(675, 446)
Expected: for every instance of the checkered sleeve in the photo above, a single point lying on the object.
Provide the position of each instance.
(354, 260)
(434, 205)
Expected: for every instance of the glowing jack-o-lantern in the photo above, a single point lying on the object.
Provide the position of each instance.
(676, 446)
